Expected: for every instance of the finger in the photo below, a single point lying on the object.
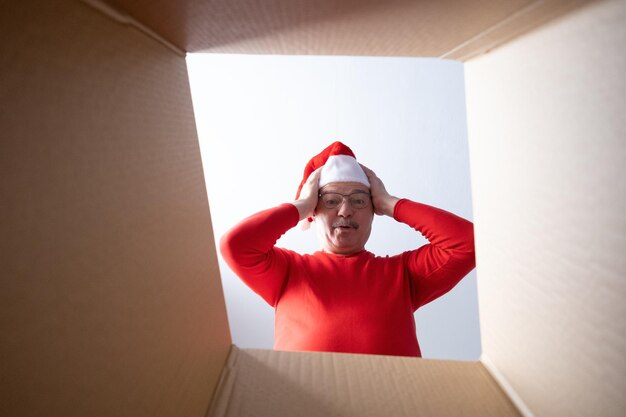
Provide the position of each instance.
(315, 175)
(310, 187)
(314, 179)
(371, 175)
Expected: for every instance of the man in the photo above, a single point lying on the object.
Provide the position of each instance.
(344, 298)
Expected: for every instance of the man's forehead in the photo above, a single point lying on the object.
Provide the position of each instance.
(345, 187)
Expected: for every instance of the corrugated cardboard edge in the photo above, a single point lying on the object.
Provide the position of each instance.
(222, 395)
(226, 395)
(519, 23)
(125, 19)
(506, 386)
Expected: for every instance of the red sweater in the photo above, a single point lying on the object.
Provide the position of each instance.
(359, 303)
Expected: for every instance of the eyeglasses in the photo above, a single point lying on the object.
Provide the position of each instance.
(357, 200)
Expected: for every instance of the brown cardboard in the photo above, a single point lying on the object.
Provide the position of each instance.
(269, 383)
(547, 133)
(111, 300)
(452, 29)
(522, 21)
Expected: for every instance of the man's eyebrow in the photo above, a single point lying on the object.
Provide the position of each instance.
(354, 190)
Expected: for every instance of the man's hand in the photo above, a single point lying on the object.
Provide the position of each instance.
(384, 203)
(307, 202)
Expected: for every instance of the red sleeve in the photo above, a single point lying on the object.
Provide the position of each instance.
(248, 249)
(437, 267)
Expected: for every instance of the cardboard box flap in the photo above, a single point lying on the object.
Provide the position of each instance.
(271, 383)
(546, 132)
(457, 29)
(110, 292)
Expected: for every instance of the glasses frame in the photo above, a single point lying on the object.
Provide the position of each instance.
(345, 197)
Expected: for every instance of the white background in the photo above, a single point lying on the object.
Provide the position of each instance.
(261, 118)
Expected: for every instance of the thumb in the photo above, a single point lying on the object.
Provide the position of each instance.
(307, 201)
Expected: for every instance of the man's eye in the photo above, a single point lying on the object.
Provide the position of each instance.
(358, 201)
(332, 201)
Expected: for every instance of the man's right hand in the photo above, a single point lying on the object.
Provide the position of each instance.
(307, 202)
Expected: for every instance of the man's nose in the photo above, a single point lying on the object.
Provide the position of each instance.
(345, 209)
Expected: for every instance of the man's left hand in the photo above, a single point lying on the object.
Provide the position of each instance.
(384, 203)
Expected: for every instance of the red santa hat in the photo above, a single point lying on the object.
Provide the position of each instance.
(339, 165)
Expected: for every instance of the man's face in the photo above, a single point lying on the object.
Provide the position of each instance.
(344, 230)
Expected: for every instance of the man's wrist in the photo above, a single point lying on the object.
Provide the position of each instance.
(390, 205)
(304, 209)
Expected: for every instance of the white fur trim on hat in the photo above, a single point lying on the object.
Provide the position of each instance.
(342, 168)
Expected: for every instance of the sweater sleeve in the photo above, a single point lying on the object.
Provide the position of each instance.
(435, 268)
(248, 249)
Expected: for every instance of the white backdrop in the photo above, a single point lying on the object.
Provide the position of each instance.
(261, 118)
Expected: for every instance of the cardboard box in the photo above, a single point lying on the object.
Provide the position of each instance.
(111, 298)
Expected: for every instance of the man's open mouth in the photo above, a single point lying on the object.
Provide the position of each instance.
(346, 226)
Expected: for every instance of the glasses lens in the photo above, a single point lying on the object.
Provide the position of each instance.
(332, 200)
(359, 200)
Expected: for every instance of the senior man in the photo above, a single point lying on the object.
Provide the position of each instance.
(344, 298)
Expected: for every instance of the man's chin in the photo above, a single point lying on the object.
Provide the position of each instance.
(345, 246)
(344, 238)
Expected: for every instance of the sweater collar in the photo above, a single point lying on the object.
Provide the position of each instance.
(362, 252)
